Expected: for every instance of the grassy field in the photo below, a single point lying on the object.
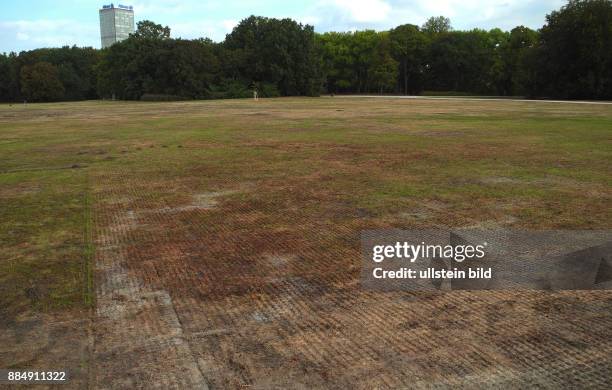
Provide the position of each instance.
(228, 231)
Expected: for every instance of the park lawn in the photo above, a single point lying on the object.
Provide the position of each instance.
(453, 163)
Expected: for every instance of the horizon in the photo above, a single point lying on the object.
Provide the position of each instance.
(41, 23)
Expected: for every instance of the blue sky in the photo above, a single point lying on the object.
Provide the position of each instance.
(29, 24)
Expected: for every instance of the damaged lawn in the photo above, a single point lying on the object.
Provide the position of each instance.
(217, 242)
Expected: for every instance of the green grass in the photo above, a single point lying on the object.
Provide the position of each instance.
(41, 224)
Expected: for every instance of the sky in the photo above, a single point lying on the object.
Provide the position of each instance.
(29, 24)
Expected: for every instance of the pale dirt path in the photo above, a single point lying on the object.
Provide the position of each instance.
(138, 339)
(476, 99)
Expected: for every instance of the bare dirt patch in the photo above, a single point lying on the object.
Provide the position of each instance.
(137, 333)
(48, 342)
(259, 306)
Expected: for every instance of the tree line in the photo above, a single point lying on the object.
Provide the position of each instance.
(570, 57)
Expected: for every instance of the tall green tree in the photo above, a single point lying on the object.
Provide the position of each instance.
(40, 82)
(10, 73)
(74, 64)
(409, 48)
(576, 51)
(279, 52)
(364, 47)
(513, 76)
(5, 78)
(337, 61)
(384, 69)
(497, 40)
(437, 25)
(461, 61)
(147, 29)
(156, 65)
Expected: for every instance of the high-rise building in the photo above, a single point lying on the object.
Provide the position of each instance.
(116, 23)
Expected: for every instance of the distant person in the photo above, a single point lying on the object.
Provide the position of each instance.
(255, 94)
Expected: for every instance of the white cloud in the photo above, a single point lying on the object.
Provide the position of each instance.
(215, 18)
(150, 7)
(345, 15)
(364, 10)
(22, 36)
(502, 13)
(340, 15)
(229, 25)
(153, 9)
(213, 29)
(46, 33)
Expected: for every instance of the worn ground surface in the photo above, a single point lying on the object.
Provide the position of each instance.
(216, 244)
